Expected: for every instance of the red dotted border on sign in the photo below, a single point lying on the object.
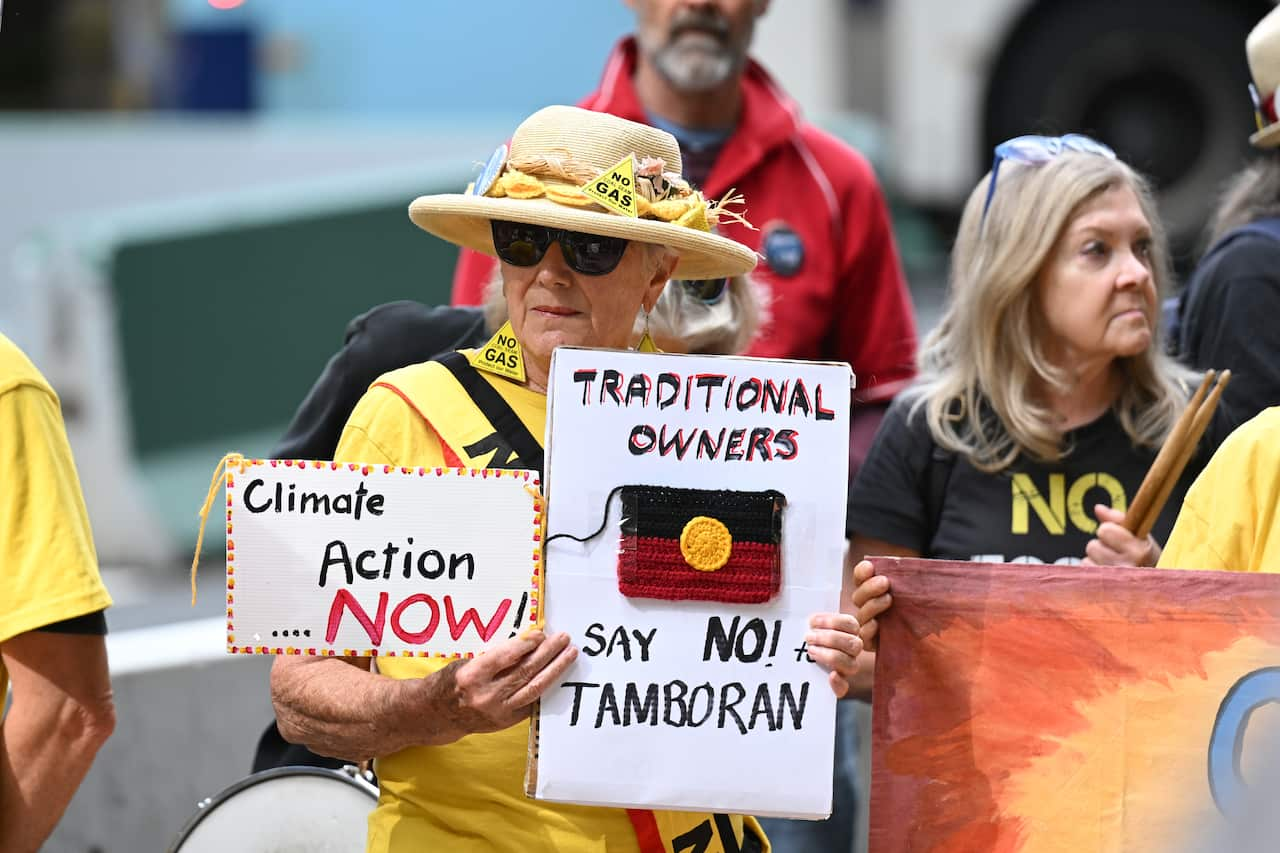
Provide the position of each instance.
(535, 579)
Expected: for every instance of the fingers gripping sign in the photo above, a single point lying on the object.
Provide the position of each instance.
(833, 643)
(497, 689)
(871, 598)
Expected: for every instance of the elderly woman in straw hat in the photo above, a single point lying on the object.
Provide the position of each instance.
(451, 739)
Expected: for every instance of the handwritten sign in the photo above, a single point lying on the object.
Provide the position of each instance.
(327, 558)
(721, 486)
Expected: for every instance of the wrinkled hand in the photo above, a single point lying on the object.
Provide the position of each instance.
(1113, 545)
(834, 644)
(871, 597)
(495, 690)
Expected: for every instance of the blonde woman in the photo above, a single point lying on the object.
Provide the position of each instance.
(1044, 393)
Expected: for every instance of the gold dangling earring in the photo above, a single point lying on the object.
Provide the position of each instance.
(646, 340)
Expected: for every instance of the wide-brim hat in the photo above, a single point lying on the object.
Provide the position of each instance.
(556, 158)
(1263, 50)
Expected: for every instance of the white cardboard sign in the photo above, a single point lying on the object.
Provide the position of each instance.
(709, 702)
(327, 558)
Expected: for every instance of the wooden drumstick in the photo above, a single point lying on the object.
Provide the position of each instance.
(1203, 415)
(1165, 459)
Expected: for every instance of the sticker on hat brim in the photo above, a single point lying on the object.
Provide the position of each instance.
(492, 169)
(783, 249)
(616, 188)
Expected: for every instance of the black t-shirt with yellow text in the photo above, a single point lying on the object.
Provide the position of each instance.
(1032, 512)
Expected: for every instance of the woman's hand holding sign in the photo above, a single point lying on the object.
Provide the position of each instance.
(871, 597)
(336, 706)
(833, 643)
(496, 690)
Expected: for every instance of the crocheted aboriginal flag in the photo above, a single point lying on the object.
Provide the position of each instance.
(696, 544)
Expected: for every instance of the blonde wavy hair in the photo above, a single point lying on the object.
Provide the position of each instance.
(978, 364)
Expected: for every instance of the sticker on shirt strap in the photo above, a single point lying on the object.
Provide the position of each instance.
(501, 356)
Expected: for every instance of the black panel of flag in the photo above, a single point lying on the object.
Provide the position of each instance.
(700, 544)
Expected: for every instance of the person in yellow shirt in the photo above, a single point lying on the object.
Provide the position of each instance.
(51, 621)
(450, 740)
(1231, 516)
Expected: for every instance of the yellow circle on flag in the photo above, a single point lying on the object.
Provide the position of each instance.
(706, 543)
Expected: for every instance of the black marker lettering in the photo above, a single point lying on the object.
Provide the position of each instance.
(593, 633)
(585, 378)
(609, 384)
(248, 492)
(330, 559)
(670, 382)
(642, 439)
(578, 687)
(819, 413)
(731, 708)
(799, 399)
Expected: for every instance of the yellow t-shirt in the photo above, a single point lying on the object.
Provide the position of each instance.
(469, 795)
(48, 567)
(1229, 519)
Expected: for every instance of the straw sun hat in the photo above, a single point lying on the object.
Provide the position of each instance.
(1263, 49)
(555, 153)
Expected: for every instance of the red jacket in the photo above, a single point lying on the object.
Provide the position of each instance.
(846, 298)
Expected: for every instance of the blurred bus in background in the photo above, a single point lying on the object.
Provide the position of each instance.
(1161, 81)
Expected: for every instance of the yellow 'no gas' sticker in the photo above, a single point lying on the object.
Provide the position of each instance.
(501, 355)
(616, 188)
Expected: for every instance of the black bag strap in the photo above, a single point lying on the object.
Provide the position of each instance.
(496, 410)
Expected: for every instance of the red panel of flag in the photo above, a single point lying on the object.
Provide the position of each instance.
(743, 530)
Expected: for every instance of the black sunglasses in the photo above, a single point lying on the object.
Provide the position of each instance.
(523, 245)
(708, 291)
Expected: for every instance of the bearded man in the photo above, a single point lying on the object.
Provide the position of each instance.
(831, 269)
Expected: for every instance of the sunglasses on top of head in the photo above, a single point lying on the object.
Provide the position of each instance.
(1038, 150)
(524, 245)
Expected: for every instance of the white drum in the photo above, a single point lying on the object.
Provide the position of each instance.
(284, 809)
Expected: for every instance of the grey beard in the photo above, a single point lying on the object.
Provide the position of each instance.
(690, 69)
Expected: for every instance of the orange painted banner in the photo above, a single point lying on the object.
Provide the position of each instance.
(1066, 708)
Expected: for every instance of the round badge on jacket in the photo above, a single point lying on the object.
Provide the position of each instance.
(783, 249)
